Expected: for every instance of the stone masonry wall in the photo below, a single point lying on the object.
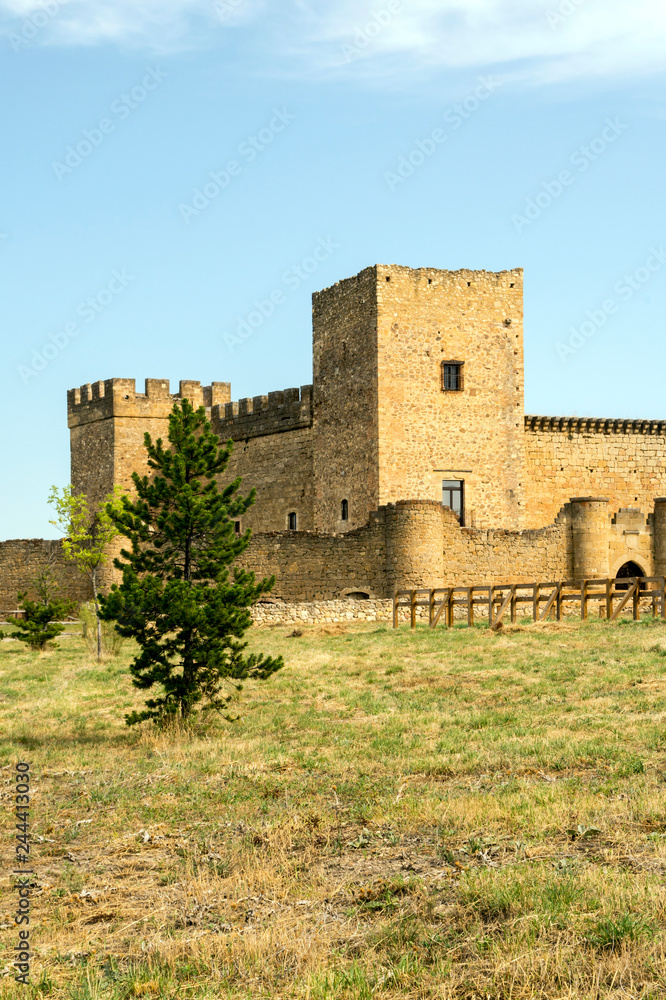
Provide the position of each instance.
(20, 562)
(479, 556)
(624, 460)
(411, 544)
(321, 612)
(427, 435)
(279, 467)
(272, 441)
(345, 442)
(315, 567)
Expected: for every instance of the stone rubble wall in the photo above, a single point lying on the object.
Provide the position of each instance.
(578, 456)
(329, 612)
(21, 560)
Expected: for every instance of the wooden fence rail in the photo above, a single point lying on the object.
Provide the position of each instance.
(544, 600)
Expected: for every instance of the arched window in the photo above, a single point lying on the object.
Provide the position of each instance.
(292, 521)
(344, 513)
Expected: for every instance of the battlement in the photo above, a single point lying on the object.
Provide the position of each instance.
(594, 425)
(117, 397)
(250, 417)
(257, 416)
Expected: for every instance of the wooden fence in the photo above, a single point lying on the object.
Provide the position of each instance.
(542, 600)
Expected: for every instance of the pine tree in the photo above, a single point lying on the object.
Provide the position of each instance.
(41, 622)
(178, 599)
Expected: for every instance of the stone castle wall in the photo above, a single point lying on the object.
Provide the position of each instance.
(624, 460)
(411, 544)
(21, 560)
(321, 567)
(272, 438)
(407, 545)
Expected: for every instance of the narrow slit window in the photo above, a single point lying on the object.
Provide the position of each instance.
(452, 376)
(292, 521)
(237, 527)
(344, 512)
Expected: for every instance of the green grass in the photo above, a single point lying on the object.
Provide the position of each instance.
(448, 814)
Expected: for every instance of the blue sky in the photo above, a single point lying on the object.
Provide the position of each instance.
(294, 121)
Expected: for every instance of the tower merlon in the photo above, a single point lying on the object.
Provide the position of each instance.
(256, 416)
(117, 397)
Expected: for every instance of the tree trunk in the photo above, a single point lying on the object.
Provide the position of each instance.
(99, 620)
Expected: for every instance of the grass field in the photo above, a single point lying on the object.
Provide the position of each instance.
(451, 814)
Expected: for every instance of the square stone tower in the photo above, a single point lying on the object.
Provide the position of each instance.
(419, 382)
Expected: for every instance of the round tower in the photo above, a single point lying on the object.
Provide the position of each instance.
(659, 535)
(590, 529)
(414, 545)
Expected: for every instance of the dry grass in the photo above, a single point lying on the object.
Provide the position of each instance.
(389, 818)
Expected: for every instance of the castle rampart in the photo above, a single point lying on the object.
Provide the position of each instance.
(275, 413)
(624, 460)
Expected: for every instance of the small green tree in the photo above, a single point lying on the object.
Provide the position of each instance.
(177, 598)
(41, 622)
(88, 534)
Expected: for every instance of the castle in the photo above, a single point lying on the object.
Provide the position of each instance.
(409, 461)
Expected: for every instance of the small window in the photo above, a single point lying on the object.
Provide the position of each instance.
(292, 521)
(237, 527)
(453, 496)
(344, 513)
(452, 376)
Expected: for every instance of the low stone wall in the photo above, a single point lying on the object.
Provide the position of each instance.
(20, 562)
(323, 612)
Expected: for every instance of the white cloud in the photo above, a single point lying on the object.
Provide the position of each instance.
(528, 40)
